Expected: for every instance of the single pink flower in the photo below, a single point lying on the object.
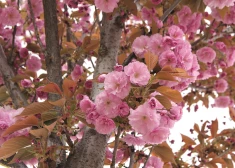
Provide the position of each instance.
(10, 16)
(88, 84)
(117, 83)
(40, 93)
(107, 104)
(138, 73)
(221, 85)
(91, 117)
(26, 83)
(33, 63)
(106, 6)
(219, 3)
(157, 136)
(139, 46)
(24, 53)
(101, 78)
(154, 162)
(86, 105)
(77, 72)
(143, 119)
(133, 140)
(123, 109)
(206, 54)
(168, 58)
(104, 125)
(222, 101)
(175, 32)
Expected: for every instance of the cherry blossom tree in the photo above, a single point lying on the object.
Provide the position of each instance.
(88, 83)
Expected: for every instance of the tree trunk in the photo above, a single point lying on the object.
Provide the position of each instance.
(90, 151)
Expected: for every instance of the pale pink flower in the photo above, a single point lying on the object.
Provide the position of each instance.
(143, 120)
(119, 155)
(101, 78)
(10, 16)
(206, 54)
(220, 45)
(175, 113)
(86, 105)
(77, 72)
(123, 109)
(219, 3)
(175, 32)
(139, 46)
(222, 101)
(168, 58)
(33, 63)
(106, 6)
(184, 15)
(156, 45)
(166, 122)
(24, 53)
(138, 73)
(154, 162)
(221, 85)
(133, 140)
(26, 83)
(157, 136)
(117, 83)
(40, 93)
(104, 125)
(107, 104)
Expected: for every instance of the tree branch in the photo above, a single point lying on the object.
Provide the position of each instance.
(169, 10)
(13, 89)
(132, 157)
(115, 147)
(147, 157)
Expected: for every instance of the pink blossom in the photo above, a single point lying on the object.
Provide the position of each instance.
(119, 155)
(24, 52)
(139, 46)
(10, 16)
(117, 83)
(143, 120)
(37, 7)
(26, 83)
(206, 54)
(168, 58)
(156, 45)
(77, 71)
(106, 6)
(175, 32)
(33, 63)
(133, 140)
(107, 104)
(157, 136)
(220, 45)
(91, 117)
(88, 84)
(138, 73)
(222, 101)
(156, 2)
(153, 103)
(40, 93)
(230, 56)
(118, 68)
(104, 125)
(166, 121)
(176, 113)
(154, 162)
(221, 85)
(86, 105)
(184, 15)
(148, 14)
(218, 3)
(123, 109)
(101, 78)
(33, 162)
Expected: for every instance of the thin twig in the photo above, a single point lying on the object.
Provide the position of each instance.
(148, 157)
(35, 27)
(97, 18)
(169, 10)
(132, 157)
(115, 147)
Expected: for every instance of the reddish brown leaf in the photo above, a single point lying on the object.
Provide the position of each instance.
(39, 133)
(50, 127)
(59, 103)
(171, 94)
(27, 122)
(165, 76)
(164, 101)
(232, 113)
(52, 88)
(214, 128)
(187, 140)
(68, 87)
(150, 60)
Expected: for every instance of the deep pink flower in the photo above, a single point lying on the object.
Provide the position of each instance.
(175, 32)
(40, 93)
(156, 45)
(117, 83)
(154, 162)
(104, 125)
(33, 63)
(166, 121)
(156, 2)
(168, 58)
(107, 104)
(230, 56)
(221, 85)
(143, 120)
(139, 46)
(26, 83)
(88, 84)
(24, 53)
(133, 140)
(91, 117)
(138, 73)
(206, 54)
(101, 78)
(157, 136)
(175, 113)
(77, 72)
(118, 68)
(106, 6)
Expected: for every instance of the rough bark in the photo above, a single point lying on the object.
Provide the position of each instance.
(90, 151)
(53, 60)
(18, 99)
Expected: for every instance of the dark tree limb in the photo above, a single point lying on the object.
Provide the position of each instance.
(115, 147)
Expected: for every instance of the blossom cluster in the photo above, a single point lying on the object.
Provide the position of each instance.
(173, 50)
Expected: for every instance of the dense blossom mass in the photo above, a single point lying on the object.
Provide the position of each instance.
(130, 96)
